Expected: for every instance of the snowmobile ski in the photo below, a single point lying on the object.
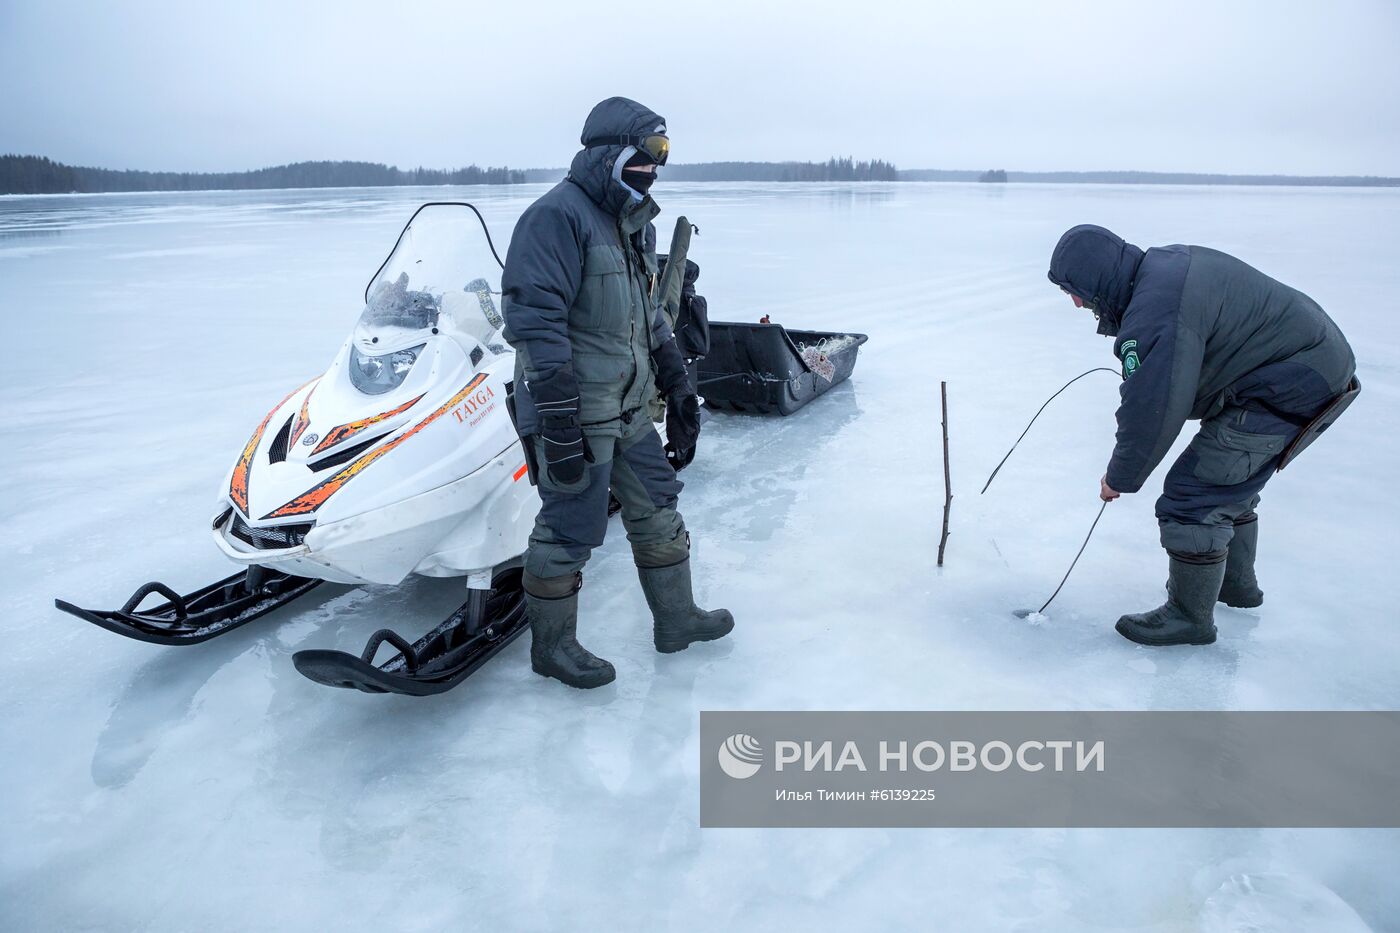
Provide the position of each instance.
(483, 625)
(213, 610)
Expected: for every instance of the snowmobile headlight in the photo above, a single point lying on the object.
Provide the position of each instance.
(375, 375)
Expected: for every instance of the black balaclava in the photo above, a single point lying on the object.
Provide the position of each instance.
(638, 181)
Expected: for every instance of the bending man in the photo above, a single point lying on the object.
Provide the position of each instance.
(1201, 335)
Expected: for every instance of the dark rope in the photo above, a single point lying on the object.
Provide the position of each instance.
(1097, 369)
(1076, 557)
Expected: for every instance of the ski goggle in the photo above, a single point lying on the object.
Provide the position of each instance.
(654, 146)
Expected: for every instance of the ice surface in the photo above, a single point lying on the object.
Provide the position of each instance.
(1261, 903)
(213, 787)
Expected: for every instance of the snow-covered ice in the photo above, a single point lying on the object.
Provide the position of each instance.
(213, 787)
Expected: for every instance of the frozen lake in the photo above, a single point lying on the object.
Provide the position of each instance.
(213, 787)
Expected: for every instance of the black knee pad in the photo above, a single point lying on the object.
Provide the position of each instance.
(552, 587)
(666, 555)
(1210, 557)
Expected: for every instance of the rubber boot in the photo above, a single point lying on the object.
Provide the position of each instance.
(1188, 616)
(554, 648)
(1240, 589)
(677, 622)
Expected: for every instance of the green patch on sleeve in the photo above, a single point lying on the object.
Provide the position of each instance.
(1130, 358)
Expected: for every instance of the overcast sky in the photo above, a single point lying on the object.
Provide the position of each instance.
(1240, 87)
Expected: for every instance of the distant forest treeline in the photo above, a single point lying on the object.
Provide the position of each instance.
(831, 170)
(38, 175)
(846, 169)
(1145, 178)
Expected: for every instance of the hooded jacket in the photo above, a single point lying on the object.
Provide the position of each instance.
(578, 278)
(1197, 330)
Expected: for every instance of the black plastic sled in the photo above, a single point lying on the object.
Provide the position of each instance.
(437, 662)
(186, 620)
(762, 369)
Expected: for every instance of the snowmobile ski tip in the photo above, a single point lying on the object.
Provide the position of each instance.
(213, 610)
(438, 661)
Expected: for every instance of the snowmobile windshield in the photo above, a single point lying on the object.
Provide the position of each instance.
(443, 273)
(394, 304)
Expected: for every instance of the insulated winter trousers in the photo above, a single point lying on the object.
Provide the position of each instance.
(1218, 478)
(574, 518)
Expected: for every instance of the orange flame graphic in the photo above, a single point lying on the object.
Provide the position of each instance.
(238, 486)
(343, 432)
(317, 495)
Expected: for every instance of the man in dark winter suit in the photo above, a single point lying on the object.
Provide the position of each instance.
(592, 349)
(1203, 336)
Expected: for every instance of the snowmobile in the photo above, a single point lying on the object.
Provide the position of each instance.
(402, 458)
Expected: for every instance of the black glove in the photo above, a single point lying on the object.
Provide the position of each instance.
(556, 400)
(682, 428)
(671, 376)
(682, 404)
